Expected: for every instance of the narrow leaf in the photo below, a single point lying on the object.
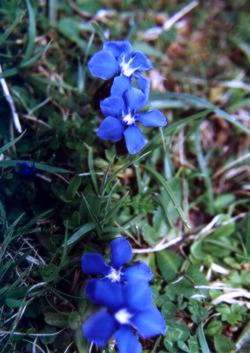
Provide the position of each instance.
(158, 177)
(31, 32)
(202, 340)
(11, 143)
(79, 233)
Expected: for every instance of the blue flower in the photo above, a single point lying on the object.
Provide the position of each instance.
(122, 113)
(128, 313)
(26, 168)
(117, 57)
(115, 271)
(124, 292)
(117, 60)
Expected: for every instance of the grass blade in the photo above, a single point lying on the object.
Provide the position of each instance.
(44, 167)
(185, 100)
(31, 32)
(168, 189)
(204, 169)
(80, 233)
(11, 143)
(202, 340)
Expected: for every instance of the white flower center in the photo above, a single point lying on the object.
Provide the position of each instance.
(128, 119)
(126, 69)
(123, 316)
(114, 275)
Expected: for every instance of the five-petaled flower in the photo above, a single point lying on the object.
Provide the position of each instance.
(122, 114)
(118, 58)
(93, 263)
(128, 310)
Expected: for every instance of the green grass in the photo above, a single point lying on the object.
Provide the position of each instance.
(188, 188)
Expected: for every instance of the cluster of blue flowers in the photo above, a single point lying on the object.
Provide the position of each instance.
(125, 296)
(123, 109)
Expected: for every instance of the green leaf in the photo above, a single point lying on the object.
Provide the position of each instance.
(41, 166)
(82, 345)
(73, 187)
(168, 263)
(166, 201)
(199, 313)
(14, 303)
(56, 319)
(163, 182)
(202, 161)
(91, 168)
(74, 320)
(195, 275)
(32, 33)
(71, 29)
(223, 344)
(193, 345)
(223, 201)
(80, 232)
(49, 272)
(148, 49)
(177, 331)
(11, 143)
(189, 100)
(34, 58)
(232, 314)
(214, 328)
(5, 35)
(247, 234)
(202, 340)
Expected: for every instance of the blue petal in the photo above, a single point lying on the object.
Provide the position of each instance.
(135, 140)
(134, 99)
(110, 129)
(138, 296)
(104, 292)
(140, 61)
(117, 47)
(120, 85)
(121, 252)
(149, 323)
(144, 85)
(99, 328)
(153, 118)
(112, 106)
(103, 65)
(138, 272)
(94, 264)
(126, 341)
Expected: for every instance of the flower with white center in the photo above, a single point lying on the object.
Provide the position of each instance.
(128, 119)
(128, 312)
(122, 117)
(123, 316)
(126, 67)
(118, 61)
(114, 275)
(115, 271)
(116, 58)
(126, 297)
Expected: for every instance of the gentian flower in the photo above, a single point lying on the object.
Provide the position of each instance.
(118, 58)
(130, 313)
(26, 168)
(124, 292)
(115, 271)
(122, 115)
